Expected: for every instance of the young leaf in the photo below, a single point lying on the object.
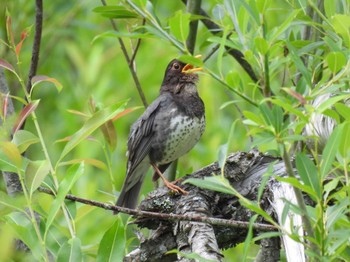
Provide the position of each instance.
(24, 35)
(65, 186)
(7, 65)
(113, 242)
(96, 120)
(110, 134)
(25, 112)
(39, 79)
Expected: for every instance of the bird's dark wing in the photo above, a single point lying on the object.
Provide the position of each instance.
(141, 134)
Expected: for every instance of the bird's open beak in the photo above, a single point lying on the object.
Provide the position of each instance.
(188, 68)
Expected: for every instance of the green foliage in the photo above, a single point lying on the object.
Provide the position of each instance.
(297, 51)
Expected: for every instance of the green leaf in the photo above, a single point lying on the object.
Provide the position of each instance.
(255, 118)
(179, 25)
(195, 61)
(25, 231)
(330, 151)
(93, 123)
(12, 153)
(330, 7)
(343, 110)
(261, 45)
(23, 139)
(345, 140)
(222, 154)
(336, 61)
(70, 251)
(299, 64)
(330, 102)
(113, 242)
(65, 186)
(308, 173)
(117, 12)
(35, 174)
(296, 183)
(214, 183)
(341, 25)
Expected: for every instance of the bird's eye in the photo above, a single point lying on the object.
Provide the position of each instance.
(176, 66)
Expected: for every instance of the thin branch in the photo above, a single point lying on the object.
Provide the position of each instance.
(169, 217)
(36, 44)
(129, 62)
(136, 47)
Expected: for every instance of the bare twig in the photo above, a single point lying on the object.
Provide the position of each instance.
(36, 44)
(130, 62)
(169, 217)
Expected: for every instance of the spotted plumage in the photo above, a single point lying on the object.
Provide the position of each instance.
(168, 129)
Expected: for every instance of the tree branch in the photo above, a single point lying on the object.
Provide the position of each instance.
(163, 216)
(193, 7)
(36, 44)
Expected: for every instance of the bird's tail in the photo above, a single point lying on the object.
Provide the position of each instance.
(131, 189)
(128, 197)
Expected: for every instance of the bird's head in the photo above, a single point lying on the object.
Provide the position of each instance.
(178, 75)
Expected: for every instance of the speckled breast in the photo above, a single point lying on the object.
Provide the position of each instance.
(184, 134)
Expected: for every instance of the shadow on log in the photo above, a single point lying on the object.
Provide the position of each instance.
(244, 172)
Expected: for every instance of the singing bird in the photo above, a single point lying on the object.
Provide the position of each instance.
(169, 128)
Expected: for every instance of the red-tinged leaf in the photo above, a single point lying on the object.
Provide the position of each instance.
(125, 112)
(9, 28)
(7, 65)
(110, 134)
(65, 139)
(4, 106)
(296, 95)
(39, 79)
(78, 113)
(24, 35)
(26, 111)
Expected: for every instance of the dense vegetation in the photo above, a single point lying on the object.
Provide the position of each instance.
(264, 62)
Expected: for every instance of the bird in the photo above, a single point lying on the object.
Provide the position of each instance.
(170, 127)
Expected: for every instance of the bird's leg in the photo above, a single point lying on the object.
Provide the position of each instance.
(168, 184)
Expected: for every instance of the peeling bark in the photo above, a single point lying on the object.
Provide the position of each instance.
(244, 171)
